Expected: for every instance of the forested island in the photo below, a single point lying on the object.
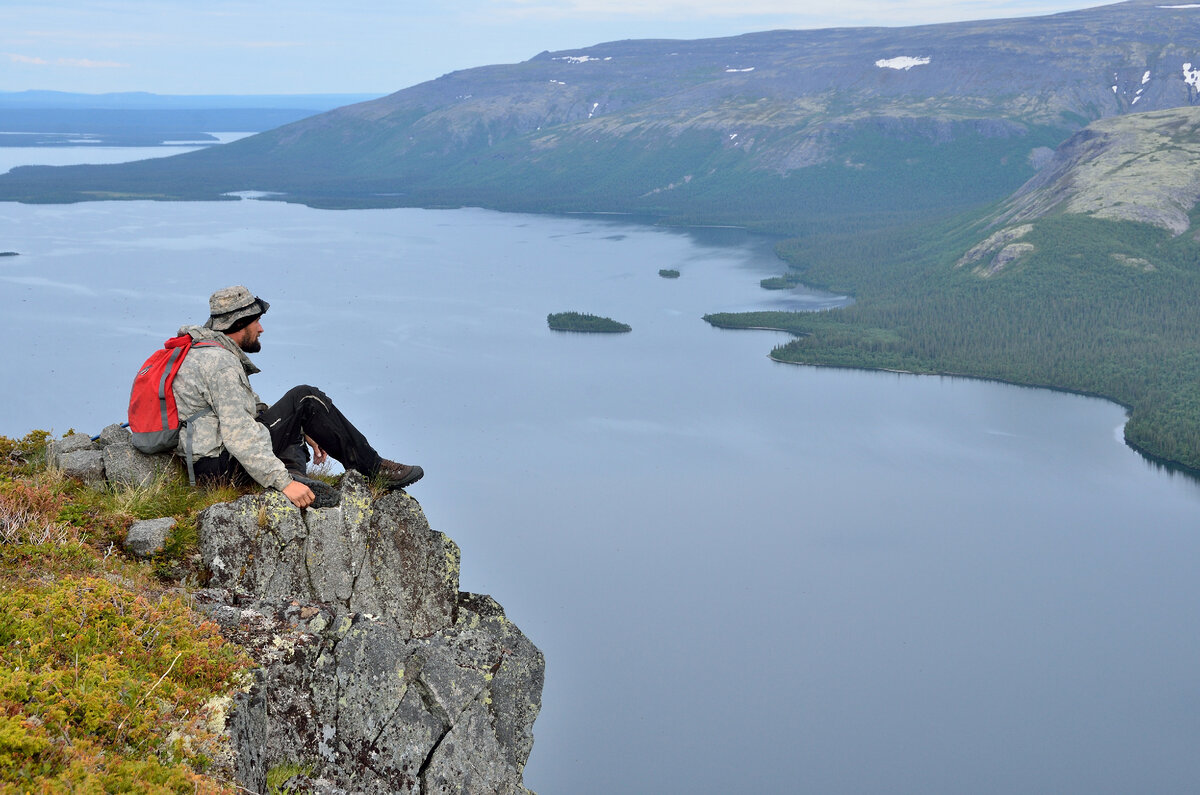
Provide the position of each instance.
(578, 321)
(785, 282)
(668, 273)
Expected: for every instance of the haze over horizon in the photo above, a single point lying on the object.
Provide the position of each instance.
(368, 46)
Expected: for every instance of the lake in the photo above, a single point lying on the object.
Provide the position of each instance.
(746, 576)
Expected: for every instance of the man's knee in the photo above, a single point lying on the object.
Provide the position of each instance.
(302, 391)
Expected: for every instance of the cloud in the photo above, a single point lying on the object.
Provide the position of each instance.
(83, 63)
(15, 58)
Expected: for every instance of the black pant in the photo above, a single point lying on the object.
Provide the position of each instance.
(304, 410)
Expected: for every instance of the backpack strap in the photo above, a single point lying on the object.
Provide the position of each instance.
(187, 442)
(186, 425)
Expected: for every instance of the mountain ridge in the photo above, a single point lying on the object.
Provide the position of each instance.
(680, 128)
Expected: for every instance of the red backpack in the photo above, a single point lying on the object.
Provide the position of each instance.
(153, 419)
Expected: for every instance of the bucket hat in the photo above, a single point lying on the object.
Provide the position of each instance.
(230, 304)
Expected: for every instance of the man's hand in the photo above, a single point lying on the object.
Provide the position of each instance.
(319, 455)
(300, 495)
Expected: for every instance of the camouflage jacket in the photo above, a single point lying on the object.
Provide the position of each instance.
(219, 379)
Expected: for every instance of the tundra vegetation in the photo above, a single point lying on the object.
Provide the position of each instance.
(108, 681)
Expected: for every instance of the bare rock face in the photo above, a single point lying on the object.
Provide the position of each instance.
(376, 674)
(379, 558)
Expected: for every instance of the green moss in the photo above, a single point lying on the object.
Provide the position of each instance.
(278, 776)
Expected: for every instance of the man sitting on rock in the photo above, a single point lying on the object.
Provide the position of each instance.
(241, 438)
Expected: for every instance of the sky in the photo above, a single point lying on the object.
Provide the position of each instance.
(381, 46)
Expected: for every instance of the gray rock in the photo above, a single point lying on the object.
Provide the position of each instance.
(379, 558)
(376, 675)
(410, 573)
(86, 465)
(56, 450)
(114, 434)
(372, 710)
(126, 467)
(147, 537)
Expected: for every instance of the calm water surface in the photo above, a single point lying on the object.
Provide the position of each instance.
(745, 576)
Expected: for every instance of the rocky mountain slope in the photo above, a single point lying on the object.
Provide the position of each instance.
(843, 120)
(1142, 167)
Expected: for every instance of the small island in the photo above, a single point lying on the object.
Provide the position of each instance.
(577, 321)
(8, 253)
(668, 273)
(785, 282)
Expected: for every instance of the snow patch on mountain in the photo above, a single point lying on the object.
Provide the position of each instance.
(1191, 76)
(904, 62)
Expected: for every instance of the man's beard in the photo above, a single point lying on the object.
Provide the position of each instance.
(251, 347)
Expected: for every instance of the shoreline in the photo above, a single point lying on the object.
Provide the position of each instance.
(1175, 467)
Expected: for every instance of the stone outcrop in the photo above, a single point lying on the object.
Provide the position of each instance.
(362, 556)
(377, 674)
(110, 458)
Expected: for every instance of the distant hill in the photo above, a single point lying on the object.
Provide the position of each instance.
(765, 128)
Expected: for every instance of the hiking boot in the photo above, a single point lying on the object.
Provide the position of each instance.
(398, 476)
(325, 496)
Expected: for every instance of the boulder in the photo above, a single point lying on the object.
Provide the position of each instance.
(127, 467)
(114, 434)
(58, 449)
(147, 537)
(111, 458)
(86, 465)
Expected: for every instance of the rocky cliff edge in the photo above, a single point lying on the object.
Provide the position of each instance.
(376, 674)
